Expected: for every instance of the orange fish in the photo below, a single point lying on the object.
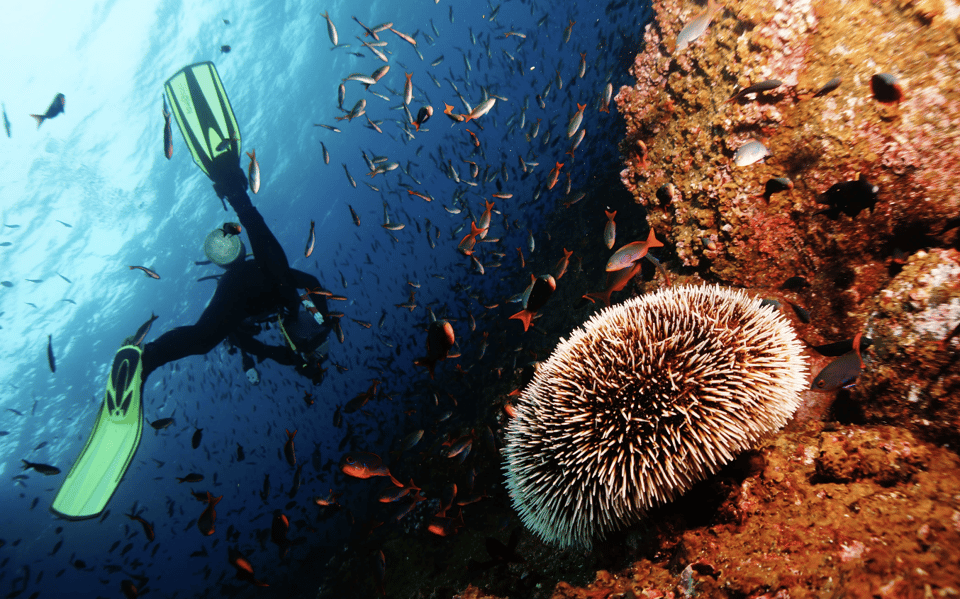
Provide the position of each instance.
(365, 465)
(393, 495)
(440, 338)
(329, 501)
(467, 243)
(554, 175)
(126, 586)
(444, 527)
(278, 533)
(610, 230)
(576, 120)
(209, 516)
(423, 115)
(476, 140)
(288, 450)
(561, 268)
(420, 195)
(448, 110)
(253, 172)
(147, 527)
(632, 253)
(244, 569)
(360, 400)
(605, 98)
(447, 496)
(146, 271)
(311, 241)
(485, 219)
(411, 303)
(616, 281)
(408, 90)
(534, 297)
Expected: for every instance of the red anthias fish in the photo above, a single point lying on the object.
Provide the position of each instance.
(244, 568)
(534, 297)
(209, 516)
(632, 253)
(278, 533)
(147, 527)
(440, 338)
(360, 464)
(288, 450)
(616, 281)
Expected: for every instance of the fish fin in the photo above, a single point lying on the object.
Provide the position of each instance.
(40, 118)
(603, 296)
(652, 241)
(524, 316)
(425, 362)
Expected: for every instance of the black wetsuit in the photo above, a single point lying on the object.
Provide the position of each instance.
(252, 288)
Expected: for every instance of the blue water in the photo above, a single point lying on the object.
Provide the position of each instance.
(99, 168)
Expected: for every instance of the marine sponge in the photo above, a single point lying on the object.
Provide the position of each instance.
(645, 399)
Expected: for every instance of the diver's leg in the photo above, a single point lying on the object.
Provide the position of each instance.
(222, 315)
(279, 354)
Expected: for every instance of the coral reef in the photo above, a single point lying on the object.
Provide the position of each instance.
(682, 134)
(913, 377)
(849, 512)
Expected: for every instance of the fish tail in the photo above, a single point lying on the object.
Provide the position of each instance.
(524, 316)
(425, 363)
(394, 480)
(603, 296)
(40, 118)
(26, 465)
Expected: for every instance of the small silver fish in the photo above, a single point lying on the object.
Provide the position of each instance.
(750, 152)
(695, 28)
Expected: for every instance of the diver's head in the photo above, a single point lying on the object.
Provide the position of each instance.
(223, 246)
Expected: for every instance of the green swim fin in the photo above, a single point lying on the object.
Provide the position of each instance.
(114, 441)
(199, 102)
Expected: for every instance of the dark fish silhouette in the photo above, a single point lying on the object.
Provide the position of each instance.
(41, 468)
(6, 121)
(56, 107)
(197, 437)
(50, 359)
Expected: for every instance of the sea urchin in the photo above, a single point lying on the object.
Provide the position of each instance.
(647, 398)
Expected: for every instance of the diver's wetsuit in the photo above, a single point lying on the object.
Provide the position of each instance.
(251, 288)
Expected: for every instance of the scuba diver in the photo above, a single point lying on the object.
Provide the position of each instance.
(249, 293)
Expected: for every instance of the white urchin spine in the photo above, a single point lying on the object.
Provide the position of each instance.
(644, 400)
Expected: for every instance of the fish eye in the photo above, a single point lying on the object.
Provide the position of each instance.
(349, 460)
(821, 383)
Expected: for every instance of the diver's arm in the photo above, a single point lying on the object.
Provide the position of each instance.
(231, 185)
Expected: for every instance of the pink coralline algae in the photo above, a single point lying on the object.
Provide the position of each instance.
(913, 377)
(682, 132)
